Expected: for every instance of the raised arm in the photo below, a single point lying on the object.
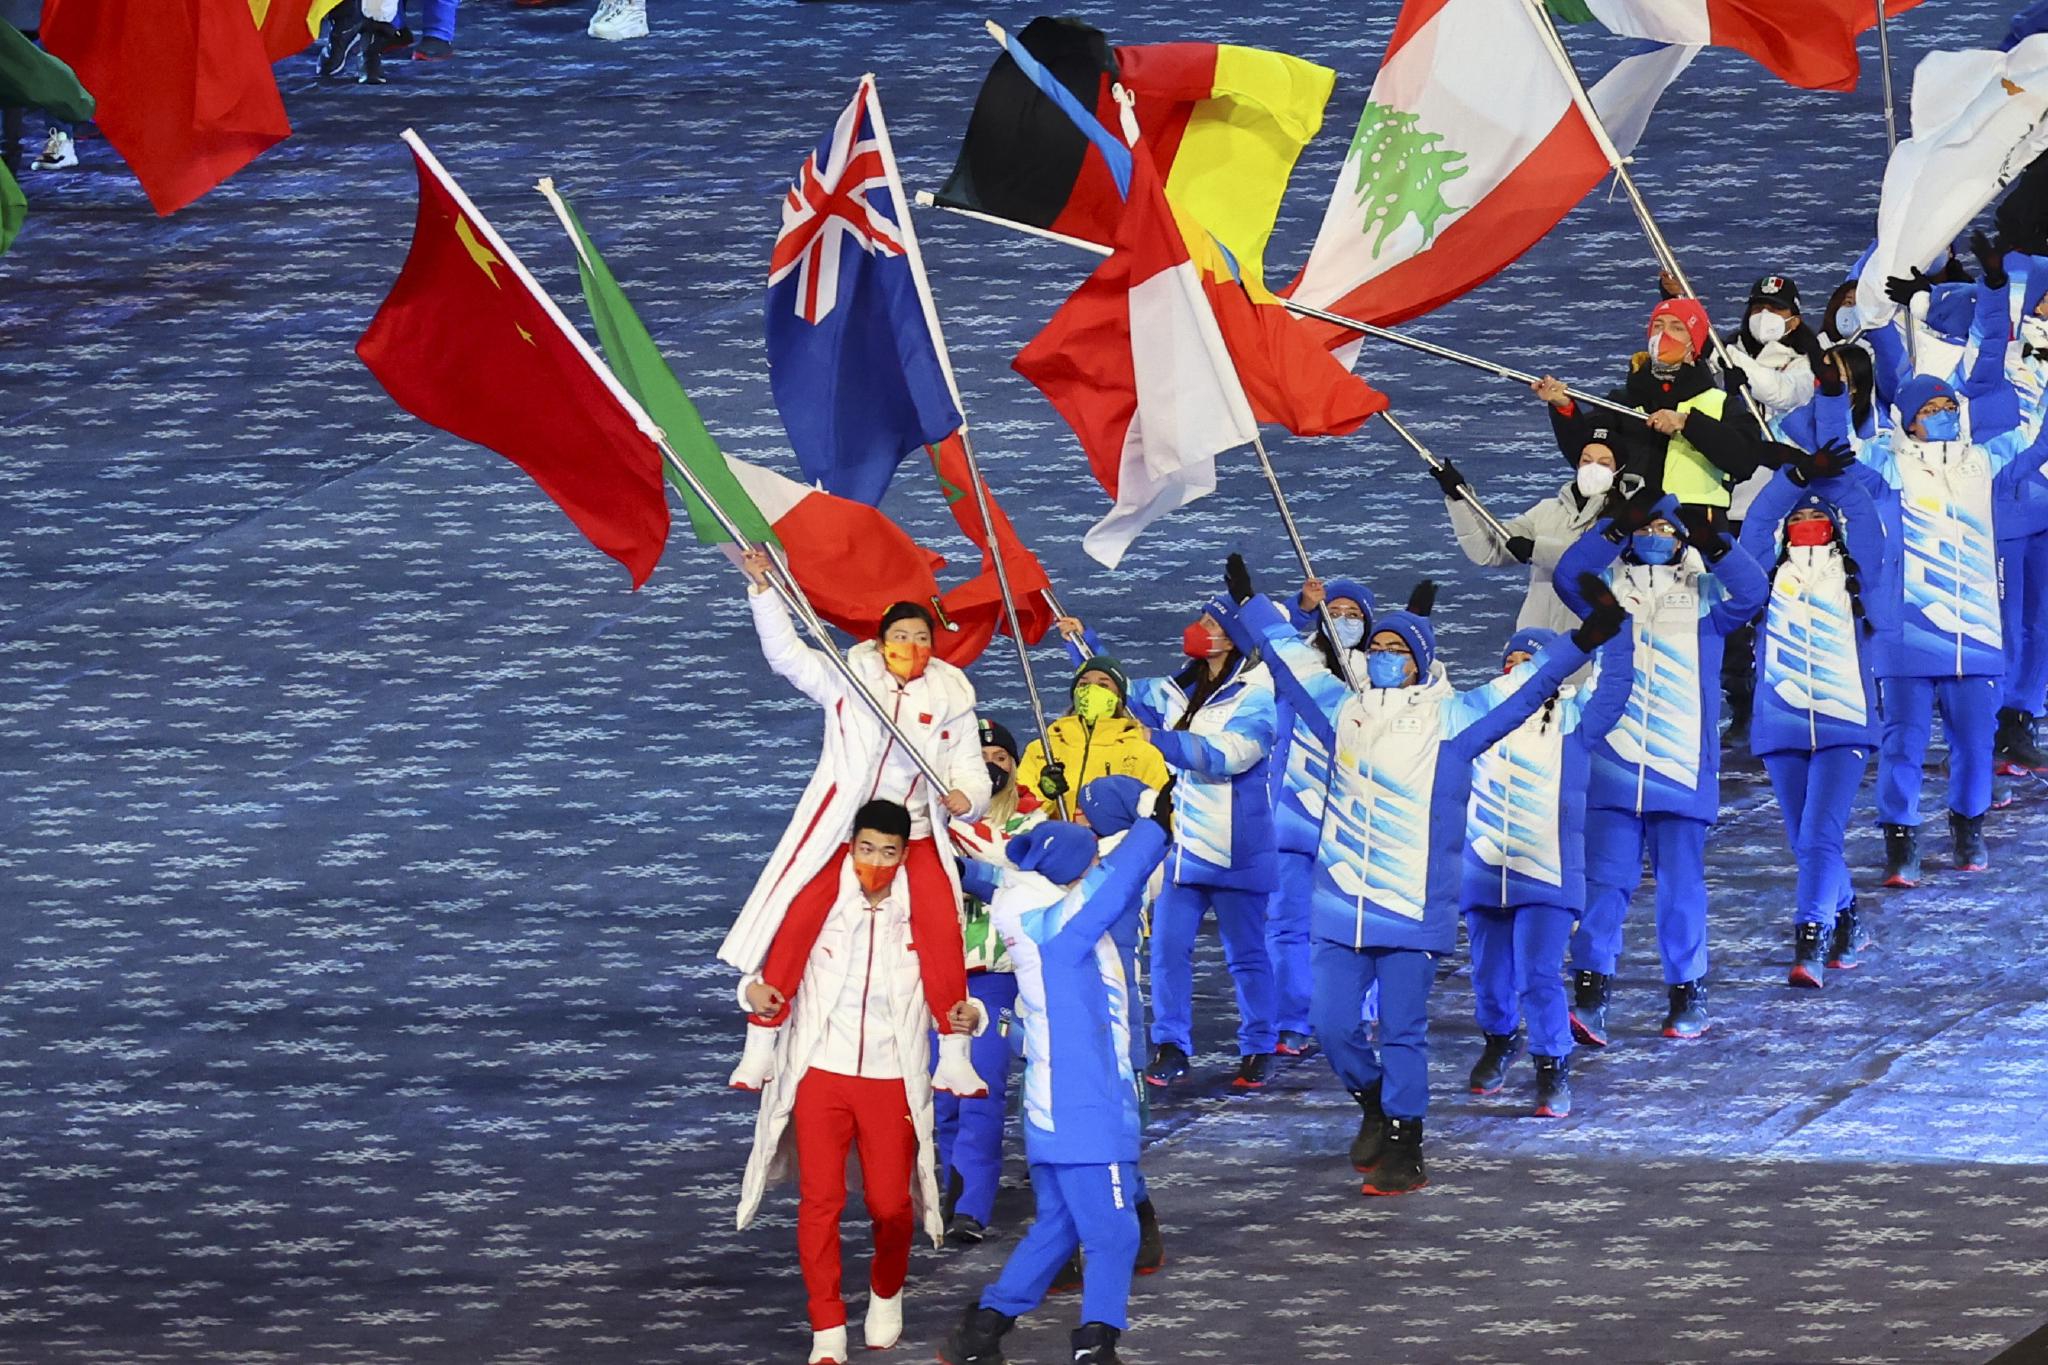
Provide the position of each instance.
(1245, 739)
(1115, 886)
(802, 666)
(1591, 553)
(1744, 585)
(1490, 726)
(1613, 680)
(1315, 693)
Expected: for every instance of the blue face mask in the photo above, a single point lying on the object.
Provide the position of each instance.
(1943, 424)
(1387, 668)
(1349, 631)
(1651, 548)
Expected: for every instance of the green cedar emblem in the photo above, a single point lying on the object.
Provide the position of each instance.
(1571, 11)
(1401, 174)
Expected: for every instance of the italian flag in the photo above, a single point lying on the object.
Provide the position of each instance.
(1469, 150)
(1810, 43)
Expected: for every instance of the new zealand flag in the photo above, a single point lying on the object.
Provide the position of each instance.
(851, 355)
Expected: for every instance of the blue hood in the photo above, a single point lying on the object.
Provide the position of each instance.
(1917, 392)
(1529, 640)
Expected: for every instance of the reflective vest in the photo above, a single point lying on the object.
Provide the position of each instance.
(1688, 475)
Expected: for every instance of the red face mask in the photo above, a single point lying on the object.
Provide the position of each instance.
(906, 659)
(1197, 643)
(1810, 534)
(875, 877)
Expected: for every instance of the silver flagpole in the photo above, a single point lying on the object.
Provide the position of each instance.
(1492, 522)
(1301, 553)
(780, 581)
(974, 476)
(1884, 64)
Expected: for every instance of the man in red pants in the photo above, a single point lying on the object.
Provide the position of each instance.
(849, 1071)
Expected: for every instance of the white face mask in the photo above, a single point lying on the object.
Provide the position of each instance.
(1593, 479)
(1768, 327)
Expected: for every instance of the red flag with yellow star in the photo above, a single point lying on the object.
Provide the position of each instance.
(469, 342)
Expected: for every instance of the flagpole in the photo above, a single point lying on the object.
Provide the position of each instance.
(1884, 63)
(1478, 509)
(926, 199)
(915, 257)
(787, 589)
(1553, 42)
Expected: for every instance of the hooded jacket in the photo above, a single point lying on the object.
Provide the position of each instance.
(1080, 1100)
(1552, 525)
(1816, 678)
(1390, 860)
(1664, 755)
(1222, 813)
(1525, 825)
(1300, 765)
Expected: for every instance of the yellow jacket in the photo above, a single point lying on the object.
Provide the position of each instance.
(1116, 745)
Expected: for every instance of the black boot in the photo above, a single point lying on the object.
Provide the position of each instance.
(1490, 1073)
(1371, 1141)
(1168, 1065)
(1589, 1007)
(1553, 1087)
(2019, 753)
(1253, 1071)
(1687, 1017)
(1968, 833)
(977, 1340)
(1901, 855)
(344, 39)
(1400, 1167)
(1848, 939)
(1806, 956)
(379, 41)
(1095, 1344)
(1151, 1246)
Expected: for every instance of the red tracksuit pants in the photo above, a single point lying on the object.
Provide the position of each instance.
(834, 1114)
(934, 931)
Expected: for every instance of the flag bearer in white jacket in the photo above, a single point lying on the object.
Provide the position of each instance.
(932, 703)
(849, 1071)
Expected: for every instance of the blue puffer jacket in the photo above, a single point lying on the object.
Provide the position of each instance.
(2005, 326)
(1222, 811)
(1664, 754)
(1816, 676)
(1073, 1005)
(1390, 861)
(1525, 827)
(1300, 765)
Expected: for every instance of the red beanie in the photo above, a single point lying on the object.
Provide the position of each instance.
(1692, 314)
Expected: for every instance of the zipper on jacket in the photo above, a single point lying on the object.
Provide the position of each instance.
(867, 986)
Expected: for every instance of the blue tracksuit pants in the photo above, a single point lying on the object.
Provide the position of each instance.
(1677, 846)
(1287, 940)
(1969, 717)
(1241, 920)
(1090, 1207)
(1518, 973)
(969, 1133)
(2023, 607)
(1815, 793)
(1400, 1064)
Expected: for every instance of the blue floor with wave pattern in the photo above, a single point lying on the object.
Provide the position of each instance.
(364, 841)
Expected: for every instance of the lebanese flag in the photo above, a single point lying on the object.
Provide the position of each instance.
(1811, 43)
(1470, 149)
(850, 559)
(185, 91)
(468, 342)
(976, 606)
(1151, 418)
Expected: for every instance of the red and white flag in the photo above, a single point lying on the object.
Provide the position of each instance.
(1152, 417)
(1810, 43)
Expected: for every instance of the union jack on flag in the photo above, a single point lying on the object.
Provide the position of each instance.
(852, 356)
(827, 208)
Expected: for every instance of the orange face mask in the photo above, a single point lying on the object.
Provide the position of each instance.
(875, 877)
(1670, 349)
(905, 659)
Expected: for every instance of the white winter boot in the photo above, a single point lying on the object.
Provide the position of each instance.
(956, 1074)
(618, 20)
(829, 1347)
(757, 1062)
(884, 1326)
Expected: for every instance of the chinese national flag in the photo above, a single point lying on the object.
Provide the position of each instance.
(468, 342)
(288, 26)
(976, 606)
(185, 91)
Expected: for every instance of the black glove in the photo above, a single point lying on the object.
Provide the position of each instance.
(1448, 478)
(1522, 548)
(1991, 256)
(1832, 376)
(1706, 529)
(1806, 341)
(1831, 459)
(1052, 782)
(1900, 289)
(1606, 618)
(1777, 454)
(1734, 379)
(1162, 808)
(1629, 515)
(1237, 579)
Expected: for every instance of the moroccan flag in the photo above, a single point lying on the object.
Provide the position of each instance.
(639, 365)
(1470, 149)
(288, 26)
(1225, 126)
(468, 342)
(976, 606)
(185, 91)
(850, 559)
(1811, 43)
(31, 78)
